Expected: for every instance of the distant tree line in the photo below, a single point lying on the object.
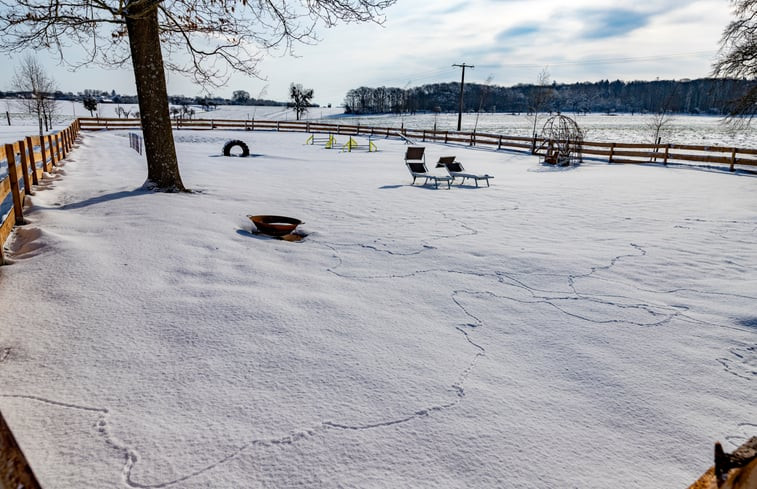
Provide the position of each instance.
(700, 96)
(239, 97)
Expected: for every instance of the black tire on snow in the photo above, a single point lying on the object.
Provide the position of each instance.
(236, 142)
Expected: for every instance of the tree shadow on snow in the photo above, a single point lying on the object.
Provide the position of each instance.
(748, 322)
(105, 198)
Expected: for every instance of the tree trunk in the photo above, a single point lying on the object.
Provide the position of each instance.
(162, 165)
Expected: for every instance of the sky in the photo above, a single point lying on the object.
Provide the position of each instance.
(507, 41)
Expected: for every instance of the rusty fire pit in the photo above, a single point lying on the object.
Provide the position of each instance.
(275, 225)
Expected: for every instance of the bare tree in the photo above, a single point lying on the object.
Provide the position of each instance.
(121, 112)
(481, 102)
(31, 77)
(738, 56)
(49, 110)
(540, 95)
(217, 37)
(659, 122)
(300, 99)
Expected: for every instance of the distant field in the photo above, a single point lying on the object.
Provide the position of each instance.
(682, 129)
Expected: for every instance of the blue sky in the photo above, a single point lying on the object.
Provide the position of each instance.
(508, 40)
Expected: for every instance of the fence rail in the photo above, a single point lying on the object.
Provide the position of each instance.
(27, 160)
(731, 157)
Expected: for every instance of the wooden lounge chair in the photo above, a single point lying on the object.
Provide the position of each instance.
(415, 160)
(456, 170)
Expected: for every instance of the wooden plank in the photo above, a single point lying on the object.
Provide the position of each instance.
(32, 160)
(745, 161)
(45, 165)
(6, 226)
(700, 158)
(51, 150)
(16, 192)
(5, 188)
(14, 469)
(640, 154)
(712, 149)
(637, 162)
(24, 167)
(599, 152)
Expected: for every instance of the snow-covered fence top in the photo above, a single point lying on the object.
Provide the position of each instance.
(22, 165)
(613, 152)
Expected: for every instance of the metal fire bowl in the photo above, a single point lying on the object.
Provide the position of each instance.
(275, 225)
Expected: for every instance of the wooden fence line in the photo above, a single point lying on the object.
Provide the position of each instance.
(613, 152)
(27, 160)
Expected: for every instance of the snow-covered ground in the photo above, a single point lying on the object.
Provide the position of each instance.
(628, 128)
(590, 327)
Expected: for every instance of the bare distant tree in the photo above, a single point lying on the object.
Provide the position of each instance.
(49, 110)
(481, 102)
(301, 98)
(121, 112)
(738, 56)
(659, 122)
(216, 37)
(31, 77)
(540, 96)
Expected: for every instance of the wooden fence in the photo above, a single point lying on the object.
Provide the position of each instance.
(611, 152)
(27, 159)
(14, 468)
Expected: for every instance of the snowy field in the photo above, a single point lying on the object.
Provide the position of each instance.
(583, 328)
(628, 128)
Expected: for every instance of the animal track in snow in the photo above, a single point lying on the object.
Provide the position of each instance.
(742, 362)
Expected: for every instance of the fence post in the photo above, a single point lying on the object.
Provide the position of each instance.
(24, 167)
(44, 154)
(667, 153)
(733, 159)
(612, 151)
(58, 147)
(424, 136)
(473, 138)
(18, 212)
(446, 137)
(499, 145)
(32, 162)
(63, 148)
(533, 144)
(53, 161)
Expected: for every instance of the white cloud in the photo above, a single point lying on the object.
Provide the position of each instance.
(511, 40)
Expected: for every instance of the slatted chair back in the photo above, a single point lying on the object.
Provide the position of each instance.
(415, 153)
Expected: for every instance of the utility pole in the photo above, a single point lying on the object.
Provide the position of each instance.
(462, 83)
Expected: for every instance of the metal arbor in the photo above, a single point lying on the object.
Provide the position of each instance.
(563, 140)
